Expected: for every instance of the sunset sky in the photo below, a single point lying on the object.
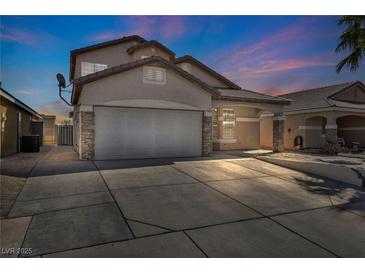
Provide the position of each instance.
(269, 54)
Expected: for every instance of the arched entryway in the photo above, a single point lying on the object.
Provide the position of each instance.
(352, 129)
(315, 132)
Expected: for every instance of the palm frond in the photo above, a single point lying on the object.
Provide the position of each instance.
(353, 40)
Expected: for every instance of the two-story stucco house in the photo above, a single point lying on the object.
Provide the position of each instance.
(135, 99)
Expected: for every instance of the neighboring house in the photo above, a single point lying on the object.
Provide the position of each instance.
(16, 121)
(134, 99)
(322, 114)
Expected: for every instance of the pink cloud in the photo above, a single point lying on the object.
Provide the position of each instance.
(268, 76)
(265, 65)
(167, 28)
(16, 35)
(22, 36)
(272, 66)
(304, 30)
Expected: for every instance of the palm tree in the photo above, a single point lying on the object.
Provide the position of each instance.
(352, 39)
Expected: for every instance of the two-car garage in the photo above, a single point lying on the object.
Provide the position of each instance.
(127, 133)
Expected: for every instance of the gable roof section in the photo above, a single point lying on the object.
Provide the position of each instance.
(151, 43)
(18, 103)
(190, 59)
(223, 94)
(79, 82)
(317, 97)
(251, 96)
(78, 51)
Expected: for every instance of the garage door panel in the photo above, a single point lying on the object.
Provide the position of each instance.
(126, 133)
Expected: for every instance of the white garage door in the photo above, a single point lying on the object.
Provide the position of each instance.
(126, 133)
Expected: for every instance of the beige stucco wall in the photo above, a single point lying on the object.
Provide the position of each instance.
(266, 132)
(206, 77)
(8, 118)
(128, 88)
(247, 133)
(111, 56)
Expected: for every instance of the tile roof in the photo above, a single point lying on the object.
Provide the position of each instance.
(251, 96)
(108, 43)
(148, 44)
(5, 94)
(315, 98)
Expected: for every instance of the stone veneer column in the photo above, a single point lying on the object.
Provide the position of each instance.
(75, 122)
(278, 132)
(207, 146)
(87, 133)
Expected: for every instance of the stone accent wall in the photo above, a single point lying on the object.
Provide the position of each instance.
(278, 132)
(87, 138)
(207, 146)
(75, 120)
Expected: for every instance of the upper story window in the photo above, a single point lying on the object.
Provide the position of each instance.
(154, 75)
(229, 122)
(88, 68)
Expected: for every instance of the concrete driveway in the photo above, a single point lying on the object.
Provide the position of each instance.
(225, 206)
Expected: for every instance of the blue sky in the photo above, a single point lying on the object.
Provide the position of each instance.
(269, 54)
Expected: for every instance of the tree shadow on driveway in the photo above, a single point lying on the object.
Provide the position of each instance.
(339, 193)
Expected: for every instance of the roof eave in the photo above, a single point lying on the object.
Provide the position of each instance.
(21, 104)
(232, 98)
(151, 43)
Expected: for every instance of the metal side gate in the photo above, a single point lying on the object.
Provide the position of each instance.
(65, 135)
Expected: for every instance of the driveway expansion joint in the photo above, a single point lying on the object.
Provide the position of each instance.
(62, 209)
(115, 202)
(266, 216)
(151, 186)
(145, 223)
(201, 250)
(278, 177)
(61, 196)
(26, 232)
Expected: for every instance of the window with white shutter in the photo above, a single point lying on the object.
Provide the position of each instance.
(154, 75)
(88, 68)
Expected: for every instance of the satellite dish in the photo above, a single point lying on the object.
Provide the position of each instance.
(61, 80)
